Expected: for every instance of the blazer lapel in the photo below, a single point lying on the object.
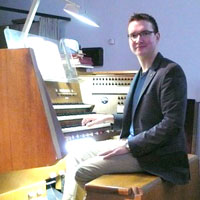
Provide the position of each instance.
(148, 80)
(129, 97)
(149, 77)
(127, 114)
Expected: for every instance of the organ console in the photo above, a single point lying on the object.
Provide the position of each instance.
(38, 117)
(97, 92)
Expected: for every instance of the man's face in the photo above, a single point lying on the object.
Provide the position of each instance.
(142, 39)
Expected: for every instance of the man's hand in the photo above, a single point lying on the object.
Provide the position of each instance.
(97, 119)
(117, 151)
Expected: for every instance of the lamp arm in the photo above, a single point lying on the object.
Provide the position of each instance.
(30, 17)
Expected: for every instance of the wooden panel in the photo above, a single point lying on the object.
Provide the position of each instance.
(191, 125)
(34, 191)
(61, 92)
(120, 186)
(12, 181)
(25, 139)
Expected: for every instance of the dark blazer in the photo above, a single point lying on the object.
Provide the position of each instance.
(159, 143)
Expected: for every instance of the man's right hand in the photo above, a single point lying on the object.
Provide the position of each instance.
(97, 119)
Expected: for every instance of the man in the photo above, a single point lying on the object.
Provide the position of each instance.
(152, 135)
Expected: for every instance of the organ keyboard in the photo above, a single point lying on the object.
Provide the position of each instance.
(94, 92)
(70, 117)
(70, 111)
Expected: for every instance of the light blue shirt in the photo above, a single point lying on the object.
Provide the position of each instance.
(139, 86)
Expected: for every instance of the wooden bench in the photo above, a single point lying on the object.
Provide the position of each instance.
(141, 186)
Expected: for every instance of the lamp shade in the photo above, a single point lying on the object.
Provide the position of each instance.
(72, 7)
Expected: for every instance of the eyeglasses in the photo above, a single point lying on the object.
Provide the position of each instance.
(143, 34)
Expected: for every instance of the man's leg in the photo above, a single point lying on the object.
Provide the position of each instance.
(97, 166)
(80, 154)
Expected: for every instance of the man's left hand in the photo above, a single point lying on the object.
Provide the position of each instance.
(114, 152)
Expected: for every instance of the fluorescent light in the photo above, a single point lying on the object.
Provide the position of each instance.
(73, 10)
(82, 18)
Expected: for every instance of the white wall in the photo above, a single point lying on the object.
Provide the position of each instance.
(178, 22)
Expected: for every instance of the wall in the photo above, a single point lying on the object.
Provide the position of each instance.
(178, 22)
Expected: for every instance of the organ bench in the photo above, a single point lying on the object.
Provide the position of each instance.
(141, 186)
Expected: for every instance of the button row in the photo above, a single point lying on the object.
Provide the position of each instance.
(112, 79)
(111, 83)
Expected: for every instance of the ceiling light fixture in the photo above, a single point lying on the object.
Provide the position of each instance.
(73, 9)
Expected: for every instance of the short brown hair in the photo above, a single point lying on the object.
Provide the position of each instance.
(146, 17)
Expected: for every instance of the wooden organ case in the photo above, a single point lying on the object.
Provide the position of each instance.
(31, 141)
